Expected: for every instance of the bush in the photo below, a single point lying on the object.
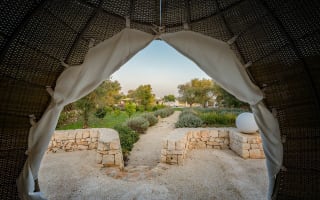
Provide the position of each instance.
(138, 124)
(214, 118)
(67, 117)
(165, 112)
(127, 138)
(188, 112)
(130, 108)
(100, 113)
(188, 120)
(152, 119)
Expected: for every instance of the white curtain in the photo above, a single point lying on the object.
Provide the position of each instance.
(74, 83)
(217, 59)
(213, 56)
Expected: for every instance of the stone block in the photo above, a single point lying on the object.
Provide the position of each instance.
(172, 159)
(252, 140)
(226, 141)
(71, 134)
(82, 143)
(175, 152)
(244, 154)
(219, 140)
(93, 145)
(204, 139)
(180, 159)
(115, 145)
(196, 134)
(78, 134)
(223, 134)
(118, 159)
(108, 160)
(254, 146)
(99, 158)
(171, 145)
(200, 145)
(216, 147)
(163, 152)
(113, 152)
(58, 136)
(86, 134)
(204, 133)
(254, 153)
(213, 133)
(180, 145)
(164, 144)
(209, 146)
(163, 159)
(94, 133)
(246, 146)
(82, 147)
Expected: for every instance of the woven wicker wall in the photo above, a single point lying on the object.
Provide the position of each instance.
(280, 38)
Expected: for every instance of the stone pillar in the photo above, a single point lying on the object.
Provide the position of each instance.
(109, 152)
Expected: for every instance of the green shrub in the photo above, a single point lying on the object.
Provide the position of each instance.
(152, 119)
(165, 112)
(100, 113)
(68, 117)
(138, 124)
(130, 108)
(127, 138)
(188, 120)
(187, 112)
(214, 118)
(158, 107)
(140, 108)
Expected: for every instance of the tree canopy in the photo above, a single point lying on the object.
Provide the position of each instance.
(224, 99)
(197, 91)
(169, 98)
(142, 96)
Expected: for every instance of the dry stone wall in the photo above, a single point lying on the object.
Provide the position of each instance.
(178, 142)
(105, 141)
(246, 145)
(176, 145)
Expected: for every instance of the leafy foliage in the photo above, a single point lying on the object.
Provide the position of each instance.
(169, 98)
(197, 91)
(138, 124)
(152, 119)
(100, 113)
(127, 138)
(130, 108)
(188, 120)
(224, 99)
(107, 94)
(214, 118)
(165, 112)
(142, 96)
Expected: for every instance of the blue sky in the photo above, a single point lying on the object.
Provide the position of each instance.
(159, 65)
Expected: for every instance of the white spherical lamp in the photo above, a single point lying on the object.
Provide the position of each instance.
(246, 123)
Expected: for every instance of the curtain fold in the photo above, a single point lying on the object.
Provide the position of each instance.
(217, 59)
(74, 83)
(212, 56)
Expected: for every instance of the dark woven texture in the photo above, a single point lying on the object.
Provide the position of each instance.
(280, 37)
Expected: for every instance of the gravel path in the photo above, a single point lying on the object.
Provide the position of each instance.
(147, 150)
(206, 174)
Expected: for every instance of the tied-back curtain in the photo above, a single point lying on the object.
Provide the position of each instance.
(217, 59)
(74, 83)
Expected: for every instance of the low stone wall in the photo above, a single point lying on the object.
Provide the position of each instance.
(246, 145)
(105, 141)
(178, 142)
(176, 145)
